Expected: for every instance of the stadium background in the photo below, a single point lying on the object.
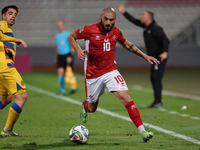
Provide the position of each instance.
(47, 118)
(36, 24)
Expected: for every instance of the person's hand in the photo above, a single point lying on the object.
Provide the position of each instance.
(20, 42)
(151, 60)
(121, 8)
(81, 54)
(163, 56)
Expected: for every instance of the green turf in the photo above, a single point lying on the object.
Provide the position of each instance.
(45, 121)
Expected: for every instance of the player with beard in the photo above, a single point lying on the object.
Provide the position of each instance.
(100, 66)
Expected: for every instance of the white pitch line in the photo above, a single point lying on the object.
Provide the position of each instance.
(174, 112)
(165, 92)
(184, 115)
(196, 118)
(39, 90)
(162, 109)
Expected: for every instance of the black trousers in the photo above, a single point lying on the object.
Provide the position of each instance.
(156, 80)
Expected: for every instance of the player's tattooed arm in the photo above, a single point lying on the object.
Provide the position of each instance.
(129, 46)
(132, 48)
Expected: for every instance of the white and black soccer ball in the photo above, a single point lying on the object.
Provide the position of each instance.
(79, 134)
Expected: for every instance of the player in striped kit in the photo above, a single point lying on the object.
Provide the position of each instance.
(11, 83)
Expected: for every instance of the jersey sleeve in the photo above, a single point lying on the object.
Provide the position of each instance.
(4, 37)
(82, 33)
(121, 37)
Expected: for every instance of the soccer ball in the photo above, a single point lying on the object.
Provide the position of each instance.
(79, 134)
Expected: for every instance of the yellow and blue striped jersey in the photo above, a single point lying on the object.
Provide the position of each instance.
(6, 46)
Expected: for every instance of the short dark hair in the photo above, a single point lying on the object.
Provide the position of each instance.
(5, 9)
(151, 14)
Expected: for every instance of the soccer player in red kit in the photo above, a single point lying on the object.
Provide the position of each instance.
(100, 67)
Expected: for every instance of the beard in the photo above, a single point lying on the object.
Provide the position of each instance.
(104, 29)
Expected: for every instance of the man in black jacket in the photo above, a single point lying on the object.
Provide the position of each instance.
(156, 43)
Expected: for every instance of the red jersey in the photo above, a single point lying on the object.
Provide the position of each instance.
(101, 49)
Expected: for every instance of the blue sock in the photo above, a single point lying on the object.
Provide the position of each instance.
(61, 83)
(16, 108)
(1, 105)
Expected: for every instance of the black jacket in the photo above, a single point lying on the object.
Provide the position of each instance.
(155, 39)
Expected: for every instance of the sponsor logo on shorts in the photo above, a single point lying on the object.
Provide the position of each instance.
(91, 96)
(122, 84)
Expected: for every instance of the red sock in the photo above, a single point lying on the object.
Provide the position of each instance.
(85, 104)
(134, 113)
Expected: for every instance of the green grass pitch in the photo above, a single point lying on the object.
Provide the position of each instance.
(45, 121)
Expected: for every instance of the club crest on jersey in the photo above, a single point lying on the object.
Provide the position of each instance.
(114, 37)
(106, 40)
(97, 37)
(22, 83)
(0, 25)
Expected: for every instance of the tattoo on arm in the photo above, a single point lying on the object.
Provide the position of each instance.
(130, 47)
(135, 51)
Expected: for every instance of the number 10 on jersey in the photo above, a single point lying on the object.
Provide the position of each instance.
(106, 46)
